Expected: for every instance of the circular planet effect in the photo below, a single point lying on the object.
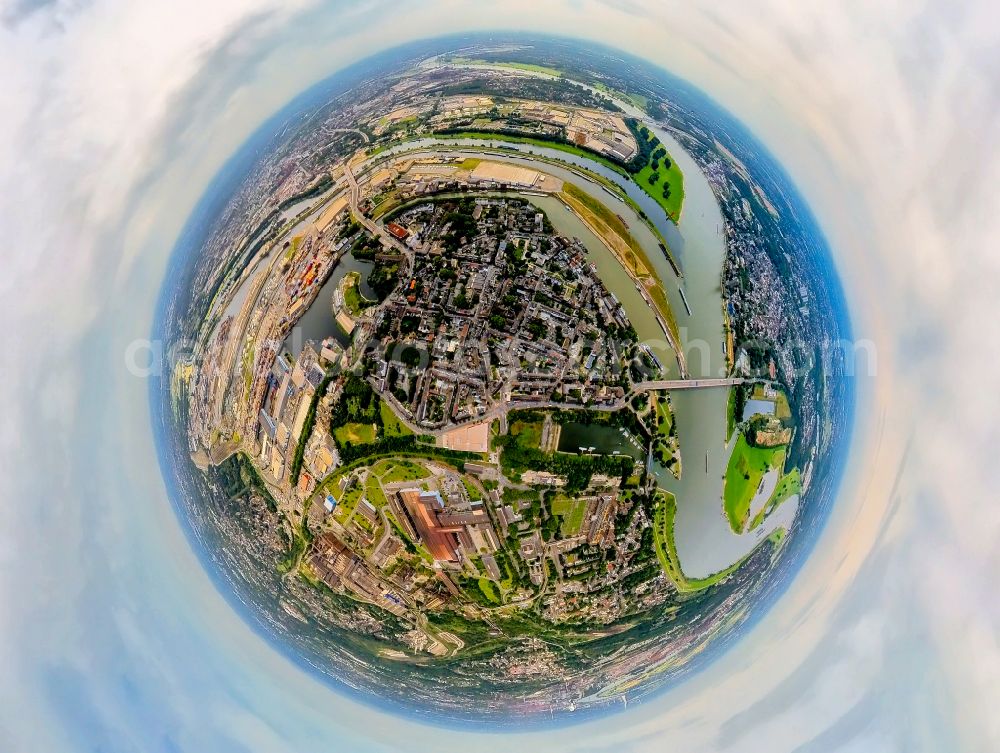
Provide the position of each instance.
(572, 598)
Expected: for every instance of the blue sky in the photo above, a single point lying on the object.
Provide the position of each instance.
(116, 116)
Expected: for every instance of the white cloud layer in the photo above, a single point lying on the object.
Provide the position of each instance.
(115, 117)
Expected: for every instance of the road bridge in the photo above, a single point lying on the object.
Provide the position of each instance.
(500, 411)
(685, 384)
(377, 230)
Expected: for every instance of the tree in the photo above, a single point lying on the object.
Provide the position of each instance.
(383, 278)
(408, 324)
(410, 356)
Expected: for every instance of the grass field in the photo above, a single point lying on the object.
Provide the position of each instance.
(347, 504)
(789, 485)
(654, 180)
(531, 67)
(571, 511)
(394, 471)
(560, 146)
(412, 545)
(353, 300)
(474, 493)
(332, 482)
(610, 229)
(640, 265)
(782, 409)
(355, 433)
(664, 419)
(527, 434)
(563, 147)
(391, 425)
(666, 550)
(747, 466)
(389, 205)
(293, 248)
(615, 234)
(486, 586)
(731, 414)
(663, 537)
(374, 492)
(673, 177)
(639, 100)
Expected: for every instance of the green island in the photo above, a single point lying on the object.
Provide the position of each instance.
(760, 453)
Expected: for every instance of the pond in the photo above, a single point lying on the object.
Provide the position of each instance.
(599, 439)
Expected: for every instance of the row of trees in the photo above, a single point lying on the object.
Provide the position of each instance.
(409, 446)
(577, 469)
(307, 429)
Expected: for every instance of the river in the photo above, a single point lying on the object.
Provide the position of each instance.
(705, 542)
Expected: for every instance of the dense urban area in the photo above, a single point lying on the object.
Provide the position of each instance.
(442, 344)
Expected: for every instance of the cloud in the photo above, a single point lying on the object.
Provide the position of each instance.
(116, 116)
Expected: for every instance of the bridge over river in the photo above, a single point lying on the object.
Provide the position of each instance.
(685, 384)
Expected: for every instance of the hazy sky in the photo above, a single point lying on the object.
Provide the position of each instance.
(115, 115)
